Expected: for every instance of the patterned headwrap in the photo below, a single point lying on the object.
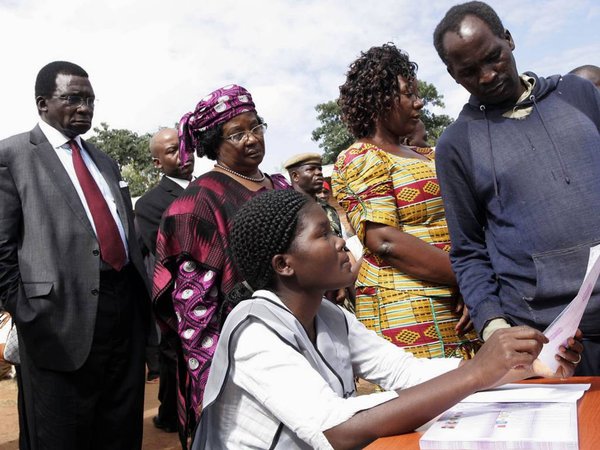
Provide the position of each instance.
(214, 109)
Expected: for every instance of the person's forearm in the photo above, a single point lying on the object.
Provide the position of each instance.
(194, 308)
(427, 263)
(467, 224)
(413, 407)
(410, 254)
(493, 364)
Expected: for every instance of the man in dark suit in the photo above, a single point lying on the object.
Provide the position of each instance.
(72, 276)
(164, 148)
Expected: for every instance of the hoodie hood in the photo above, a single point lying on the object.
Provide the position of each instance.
(475, 110)
(542, 87)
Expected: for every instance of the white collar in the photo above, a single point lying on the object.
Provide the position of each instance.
(55, 137)
(180, 181)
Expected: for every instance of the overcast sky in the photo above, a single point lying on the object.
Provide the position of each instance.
(150, 61)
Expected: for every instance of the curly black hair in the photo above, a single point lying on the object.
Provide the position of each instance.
(371, 86)
(455, 16)
(264, 227)
(208, 141)
(45, 82)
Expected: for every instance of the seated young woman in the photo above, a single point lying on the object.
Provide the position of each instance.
(284, 369)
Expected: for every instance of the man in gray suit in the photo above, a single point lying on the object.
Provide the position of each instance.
(72, 276)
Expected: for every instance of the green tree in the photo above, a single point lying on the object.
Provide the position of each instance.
(132, 154)
(435, 124)
(333, 136)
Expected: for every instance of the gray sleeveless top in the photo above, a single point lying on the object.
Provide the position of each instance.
(332, 361)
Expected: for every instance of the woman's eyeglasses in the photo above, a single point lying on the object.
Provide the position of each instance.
(257, 131)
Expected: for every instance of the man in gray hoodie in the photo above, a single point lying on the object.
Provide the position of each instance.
(520, 178)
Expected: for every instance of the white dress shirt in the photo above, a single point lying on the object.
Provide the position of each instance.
(59, 143)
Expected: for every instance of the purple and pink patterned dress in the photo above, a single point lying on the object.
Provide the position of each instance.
(195, 280)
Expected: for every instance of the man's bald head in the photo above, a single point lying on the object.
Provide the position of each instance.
(589, 72)
(157, 141)
(164, 148)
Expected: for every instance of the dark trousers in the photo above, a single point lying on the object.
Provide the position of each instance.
(100, 405)
(23, 430)
(167, 389)
(153, 351)
(590, 358)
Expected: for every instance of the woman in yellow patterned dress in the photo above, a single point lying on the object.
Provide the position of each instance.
(406, 289)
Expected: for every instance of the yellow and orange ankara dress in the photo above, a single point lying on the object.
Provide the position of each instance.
(372, 185)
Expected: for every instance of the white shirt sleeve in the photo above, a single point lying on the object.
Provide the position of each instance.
(381, 362)
(284, 383)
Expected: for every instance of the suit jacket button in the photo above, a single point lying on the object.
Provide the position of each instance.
(94, 291)
(95, 252)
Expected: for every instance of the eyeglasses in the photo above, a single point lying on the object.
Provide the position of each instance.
(257, 131)
(77, 100)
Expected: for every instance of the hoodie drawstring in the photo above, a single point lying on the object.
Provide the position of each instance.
(494, 177)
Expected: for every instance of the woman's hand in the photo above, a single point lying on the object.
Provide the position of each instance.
(508, 355)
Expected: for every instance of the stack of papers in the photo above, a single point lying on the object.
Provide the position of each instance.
(524, 416)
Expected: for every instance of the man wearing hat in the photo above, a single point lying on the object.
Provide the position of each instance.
(306, 175)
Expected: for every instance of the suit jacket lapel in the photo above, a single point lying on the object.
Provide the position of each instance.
(169, 186)
(108, 173)
(59, 175)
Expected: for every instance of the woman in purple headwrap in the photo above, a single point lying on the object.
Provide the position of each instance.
(195, 280)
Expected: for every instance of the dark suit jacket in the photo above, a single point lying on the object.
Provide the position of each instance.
(49, 255)
(150, 207)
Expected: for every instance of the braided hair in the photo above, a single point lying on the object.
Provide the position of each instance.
(371, 87)
(264, 227)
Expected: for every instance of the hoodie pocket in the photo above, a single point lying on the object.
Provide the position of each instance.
(560, 272)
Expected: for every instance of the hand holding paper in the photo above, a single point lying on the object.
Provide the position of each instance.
(568, 357)
(566, 323)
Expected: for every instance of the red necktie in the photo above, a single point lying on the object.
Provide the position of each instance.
(112, 251)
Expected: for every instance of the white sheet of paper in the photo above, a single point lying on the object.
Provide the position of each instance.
(566, 323)
(540, 393)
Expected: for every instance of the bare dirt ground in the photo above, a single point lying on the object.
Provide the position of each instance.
(154, 439)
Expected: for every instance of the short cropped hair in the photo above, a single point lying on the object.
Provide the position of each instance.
(371, 86)
(264, 227)
(45, 82)
(455, 16)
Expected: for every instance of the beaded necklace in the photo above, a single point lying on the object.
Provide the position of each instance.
(255, 180)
